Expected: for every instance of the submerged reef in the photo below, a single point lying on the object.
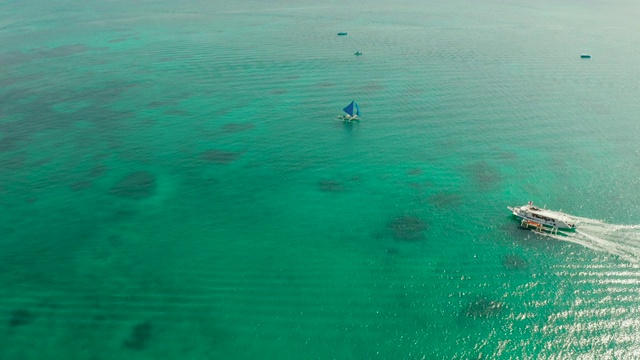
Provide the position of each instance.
(219, 156)
(330, 186)
(484, 175)
(514, 262)
(237, 127)
(408, 228)
(483, 307)
(139, 337)
(20, 317)
(443, 200)
(137, 185)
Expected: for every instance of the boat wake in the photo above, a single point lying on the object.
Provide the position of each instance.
(619, 240)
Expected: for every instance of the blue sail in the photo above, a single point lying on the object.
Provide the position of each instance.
(352, 108)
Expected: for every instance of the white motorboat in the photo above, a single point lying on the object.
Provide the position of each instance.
(531, 214)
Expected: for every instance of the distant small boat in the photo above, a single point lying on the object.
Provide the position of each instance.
(353, 112)
(585, 56)
(342, 33)
(358, 52)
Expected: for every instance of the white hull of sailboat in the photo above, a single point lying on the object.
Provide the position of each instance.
(349, 118)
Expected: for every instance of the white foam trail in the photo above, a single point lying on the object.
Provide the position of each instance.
(620, 240)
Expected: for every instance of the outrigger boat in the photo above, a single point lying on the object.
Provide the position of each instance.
(543, 219)
(353, 112)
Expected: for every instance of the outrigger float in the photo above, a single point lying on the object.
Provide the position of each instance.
(536, 226)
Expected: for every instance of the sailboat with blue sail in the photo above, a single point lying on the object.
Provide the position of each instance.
(353, 112)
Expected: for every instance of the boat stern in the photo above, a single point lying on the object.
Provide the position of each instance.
(572, 225)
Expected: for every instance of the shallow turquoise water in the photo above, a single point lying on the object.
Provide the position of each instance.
(174, 184)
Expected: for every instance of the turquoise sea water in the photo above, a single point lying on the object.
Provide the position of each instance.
(174, 183)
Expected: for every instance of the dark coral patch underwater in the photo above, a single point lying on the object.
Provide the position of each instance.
(219, 156)
(20, 317)
(484, 175)
(139, 338)
(137, 185)
(443, 200)
(483, 307)
(514, 262)
(330, 186)
(237, 127)
(81, 185)
(408, 228)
